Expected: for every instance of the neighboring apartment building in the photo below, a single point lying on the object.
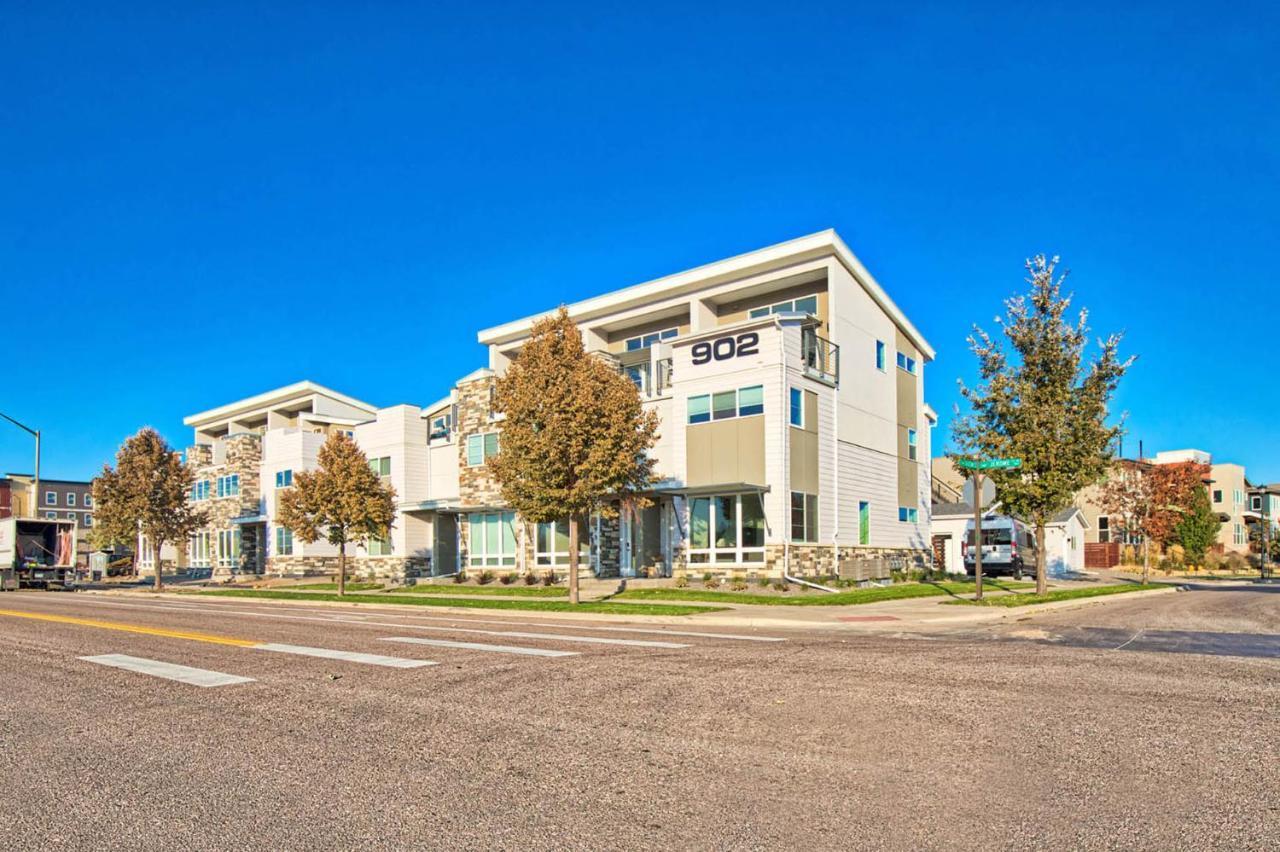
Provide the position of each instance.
(1229, 497)
(794, 437)
(64, 499)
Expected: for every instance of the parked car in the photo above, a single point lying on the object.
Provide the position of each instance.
(1008, 546)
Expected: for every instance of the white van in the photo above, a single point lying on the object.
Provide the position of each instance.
(1008, 546)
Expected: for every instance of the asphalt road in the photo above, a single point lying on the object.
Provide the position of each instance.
(1009, 738)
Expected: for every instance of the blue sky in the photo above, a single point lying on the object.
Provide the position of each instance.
(198, 205)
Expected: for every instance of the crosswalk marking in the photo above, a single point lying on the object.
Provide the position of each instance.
(346, 656)
(168, 671)
(556, 637)
(477, 646)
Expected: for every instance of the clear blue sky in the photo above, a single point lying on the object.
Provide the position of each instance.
(199, 205)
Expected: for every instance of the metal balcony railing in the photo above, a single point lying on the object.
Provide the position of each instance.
(821, 357)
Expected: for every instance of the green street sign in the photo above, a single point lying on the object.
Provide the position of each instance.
(989, 464)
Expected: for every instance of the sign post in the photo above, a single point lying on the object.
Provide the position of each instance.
(976, 467)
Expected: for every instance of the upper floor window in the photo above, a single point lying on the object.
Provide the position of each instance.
(229, 486)
(88, 520)
(71, 516)
(795, 408)
(441, 426)
(480, 448)
(644, 341)
(71, 498)
(1217, 495)
(1238, 495)
(912, 449)
(880, 355)
(743, 402)
(284, 478)
(53, 516)
(1257, 503)
(908, 515)
(805, 305)
(200, 490)
(88, 501)
(381, 465)
(51, 498)
(907, 364)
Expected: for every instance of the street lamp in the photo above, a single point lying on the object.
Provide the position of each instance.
(35, 493)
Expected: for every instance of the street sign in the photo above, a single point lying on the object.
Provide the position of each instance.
(989, 464)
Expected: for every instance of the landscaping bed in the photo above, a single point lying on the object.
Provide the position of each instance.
(813, 597)
(604, 608)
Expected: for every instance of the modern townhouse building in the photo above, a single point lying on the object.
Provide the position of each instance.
(1229, 497)
(794, 438)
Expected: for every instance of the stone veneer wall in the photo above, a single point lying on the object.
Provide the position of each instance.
(814, 560)
(244, 457)
(476, 485)
(395, 568)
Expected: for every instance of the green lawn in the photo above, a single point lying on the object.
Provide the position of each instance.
(330, 587)
(473, 603)
(496, 589)
(1058, 595)
(898, 591)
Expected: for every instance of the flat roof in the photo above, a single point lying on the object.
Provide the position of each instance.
(810, 247)
(279, 396)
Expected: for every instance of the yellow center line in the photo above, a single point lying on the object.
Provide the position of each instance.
(133, 628)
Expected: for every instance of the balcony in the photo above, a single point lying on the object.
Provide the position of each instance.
(820, 357)
(651, 376)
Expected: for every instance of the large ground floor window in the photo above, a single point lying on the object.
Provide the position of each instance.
(201, 550)
(492, 540)
(726, 529)
(284, 541)
(552, 544)
(229, 548)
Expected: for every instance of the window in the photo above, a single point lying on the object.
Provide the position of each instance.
(88, 501)
(1238, 534)
(71, 498)
(804, 305)
(647, 340)
(480, 448)
(53, 516)
(796, 407)
(726, 529)
(228, 548)
(229, 486)
(552, 544)
(284, 541)
(1104, 529)
(908, 515)
(724, 405)
(804, 517)
(880, 355)
(284, 478)
(492, 539)
(381, 466)
(864, 522)
(639, 375)
(200, 490)
(913, 450)
(51, 498)
(199, 550)
(88, 520)
(379, 547)
(71, 516)
(906, 364)
(1238, 496)
(1256, 503)
(441, 426)
(1217, 495)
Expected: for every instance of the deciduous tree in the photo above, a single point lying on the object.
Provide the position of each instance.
(1198, 529)
(575, 438)
(343, 501)
(145, 494)
(1040, 401)
(1150, 501)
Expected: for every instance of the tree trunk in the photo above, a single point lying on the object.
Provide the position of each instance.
(155, 549)
(1042, 584)
(573, 559)
(342, 569)
(1146, 560)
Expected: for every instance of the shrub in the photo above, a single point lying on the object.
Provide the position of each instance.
(1214, 561)
(764, 581)
(709, 581)
(460, 577)
(1237, 563)
(1128, 555)
(682, 582)
(780, 585)
(531, 579)
(484, 578)
(1177, 555)
(508, 578)
(707, 577)
(738, 583)
(549, 577)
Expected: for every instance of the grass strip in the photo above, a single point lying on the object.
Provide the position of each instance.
(496, 590)
(898, 591)
(470, 603)
(331, 587)
(1057, 595)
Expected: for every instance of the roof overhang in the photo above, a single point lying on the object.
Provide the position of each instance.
(721, 488)
(815, 246)
(272, 399)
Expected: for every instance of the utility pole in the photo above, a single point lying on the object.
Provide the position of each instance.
(35, 492)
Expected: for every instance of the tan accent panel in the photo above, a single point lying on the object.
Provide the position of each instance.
(731, 312)
(804, 460)
(908, 483)
(726, 451)
(811, 412)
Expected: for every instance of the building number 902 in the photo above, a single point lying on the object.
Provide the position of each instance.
(724, 348)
